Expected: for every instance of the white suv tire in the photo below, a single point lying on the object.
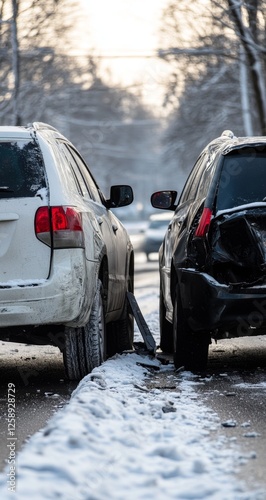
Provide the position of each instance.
(85, 347)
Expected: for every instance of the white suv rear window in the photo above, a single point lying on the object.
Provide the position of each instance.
(21, 169)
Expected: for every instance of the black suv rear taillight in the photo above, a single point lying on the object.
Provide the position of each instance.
(60, 227)
(204, 223)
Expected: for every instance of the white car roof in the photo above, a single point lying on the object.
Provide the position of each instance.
(15, 132)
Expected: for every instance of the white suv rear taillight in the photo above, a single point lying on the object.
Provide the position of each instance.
(59, 227)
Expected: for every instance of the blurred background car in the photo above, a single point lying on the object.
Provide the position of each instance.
(154, 234)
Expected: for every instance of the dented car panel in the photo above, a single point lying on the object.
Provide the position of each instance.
(64, 297)
(223, 310)
(238, 242)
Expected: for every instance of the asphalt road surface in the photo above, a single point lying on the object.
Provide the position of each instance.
(36, 374)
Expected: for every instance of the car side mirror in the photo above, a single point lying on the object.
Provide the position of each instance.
(120, 196)
(164, 200)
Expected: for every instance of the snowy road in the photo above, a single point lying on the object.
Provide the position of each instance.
(132, 431)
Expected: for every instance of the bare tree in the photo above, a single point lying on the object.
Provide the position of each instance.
(249, 34)
(231, 33)
(34, 46)
(115, 134)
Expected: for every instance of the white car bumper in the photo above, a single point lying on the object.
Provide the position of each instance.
(65, 297)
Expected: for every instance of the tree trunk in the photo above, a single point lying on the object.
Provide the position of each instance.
(254, 63)
(15, 62)
(243, 77)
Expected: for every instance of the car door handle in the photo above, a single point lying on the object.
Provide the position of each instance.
(115, 228)
(100, 220)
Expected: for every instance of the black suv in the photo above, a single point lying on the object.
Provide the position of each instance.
(213, 257)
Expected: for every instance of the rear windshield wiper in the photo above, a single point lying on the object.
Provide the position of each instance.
(6, 189)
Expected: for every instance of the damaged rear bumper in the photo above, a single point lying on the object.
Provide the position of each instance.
(219, 308)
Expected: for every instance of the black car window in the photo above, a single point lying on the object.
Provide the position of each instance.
(22, 172)
(191, 185)
(242, 180)
(204, 177)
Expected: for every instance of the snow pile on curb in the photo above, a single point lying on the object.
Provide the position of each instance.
(118, 439)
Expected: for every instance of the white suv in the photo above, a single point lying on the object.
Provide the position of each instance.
(66, 261)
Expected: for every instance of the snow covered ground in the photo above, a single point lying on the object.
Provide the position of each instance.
(120, 438)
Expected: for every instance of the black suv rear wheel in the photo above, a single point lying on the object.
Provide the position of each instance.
(190, 350)
(120, 333)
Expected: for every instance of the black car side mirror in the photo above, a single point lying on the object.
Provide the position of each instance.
(120, 196)
(164, 200)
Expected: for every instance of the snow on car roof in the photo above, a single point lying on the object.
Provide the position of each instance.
(225, 145)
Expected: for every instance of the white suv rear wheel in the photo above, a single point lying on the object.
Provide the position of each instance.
(85, 348)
